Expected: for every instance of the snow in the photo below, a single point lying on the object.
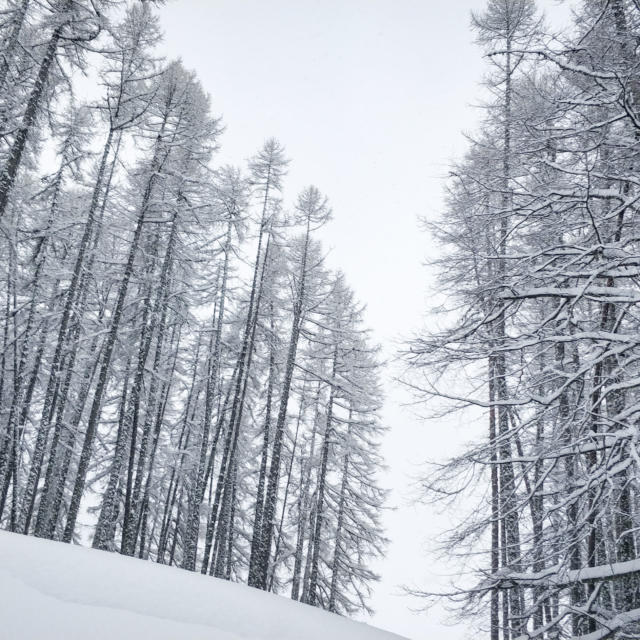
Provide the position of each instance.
(63, 592)
(558, 576)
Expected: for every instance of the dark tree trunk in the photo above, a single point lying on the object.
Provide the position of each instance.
(274, 470)
(8, 177)
(94, 415)
(326, 444)
(9, 49)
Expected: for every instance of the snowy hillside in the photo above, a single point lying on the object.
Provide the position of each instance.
(58, 591)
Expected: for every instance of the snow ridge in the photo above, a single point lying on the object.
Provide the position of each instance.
(63, 592)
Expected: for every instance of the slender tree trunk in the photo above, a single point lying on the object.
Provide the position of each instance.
(131, 515)
(306, 578)
(213, 368)
(176, 473)
(303, 510)
(274, 470)
(317, 534)
(8, 435)
(8, 176)
(8, 441)
(58, 465)
(94, 415)
(243, 365)
(103, 537)
(335, 565)
(24, 414)
(231, 442)
(9, 50)
(39, 259)
(495, 510)
(164, 394)
(283, 511)
(58, 356)
(159, 418)
(257, 537)
(508, 499)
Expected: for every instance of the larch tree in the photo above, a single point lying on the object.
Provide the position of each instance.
(163, 324)
(550, 247)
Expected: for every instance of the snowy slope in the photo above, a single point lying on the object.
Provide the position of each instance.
(55, 591)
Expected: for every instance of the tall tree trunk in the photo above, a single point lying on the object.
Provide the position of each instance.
(495, 509)
(326, 444)
(255, 557)
(159, 325)
(231, 441)
(94, 415)
(243, 366)
(274, 469)
(283, 511)
(303, 509)
(11, 434)
(58, 356)
(8, 176)
(213, 368)
(508, 498)
(335, 565)
(162, 405)
(58, 464)
(103, 537)
(9, 50)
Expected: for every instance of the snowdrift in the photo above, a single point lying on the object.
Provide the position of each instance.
(55, 591)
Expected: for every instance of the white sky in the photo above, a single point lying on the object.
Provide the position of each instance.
(370, 98)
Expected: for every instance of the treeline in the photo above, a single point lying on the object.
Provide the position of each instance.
(182, 379)
(540, 263)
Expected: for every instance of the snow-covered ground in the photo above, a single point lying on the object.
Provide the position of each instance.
(55, 591)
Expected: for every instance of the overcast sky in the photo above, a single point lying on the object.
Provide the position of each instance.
(370, 99)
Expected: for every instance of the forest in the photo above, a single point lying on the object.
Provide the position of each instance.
(182, 378)
(185, 379)
(538, 333)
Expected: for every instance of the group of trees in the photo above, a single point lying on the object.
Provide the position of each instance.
(540, 263)
(181, 377)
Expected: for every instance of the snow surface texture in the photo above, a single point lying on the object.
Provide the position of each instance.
(55, 591)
